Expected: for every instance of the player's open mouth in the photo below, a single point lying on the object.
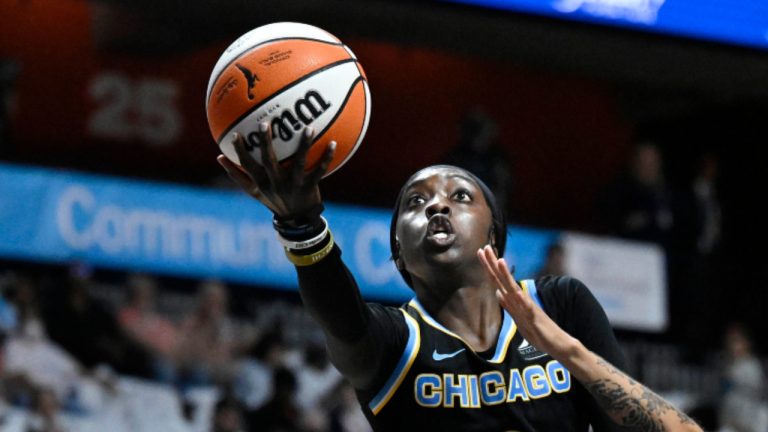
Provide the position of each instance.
(440, 231)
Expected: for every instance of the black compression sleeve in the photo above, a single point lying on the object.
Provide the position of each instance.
(364, 341)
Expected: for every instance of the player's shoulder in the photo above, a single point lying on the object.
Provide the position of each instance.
(559, 286)
(387, 315)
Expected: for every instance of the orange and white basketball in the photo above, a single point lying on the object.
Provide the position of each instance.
(292, 76)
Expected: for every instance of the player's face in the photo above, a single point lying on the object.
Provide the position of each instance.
(443, 220)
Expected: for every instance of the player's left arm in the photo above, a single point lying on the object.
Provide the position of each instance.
(626, 401)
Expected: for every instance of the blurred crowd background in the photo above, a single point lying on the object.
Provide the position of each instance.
(602, 127)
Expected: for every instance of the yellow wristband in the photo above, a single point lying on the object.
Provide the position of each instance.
(306, 260)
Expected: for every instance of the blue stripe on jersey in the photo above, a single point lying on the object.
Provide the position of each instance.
(508, 329)
(402, 368)
(534, 293)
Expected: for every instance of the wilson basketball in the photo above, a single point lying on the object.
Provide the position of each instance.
(292, 76)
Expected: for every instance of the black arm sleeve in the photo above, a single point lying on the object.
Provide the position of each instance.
(577, 311)
(364, 340)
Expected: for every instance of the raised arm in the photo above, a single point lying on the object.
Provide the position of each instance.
(358, 335)
(626, 401)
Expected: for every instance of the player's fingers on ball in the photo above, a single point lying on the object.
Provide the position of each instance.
(246, 160)
(319, 171)
(268, 157)
(225, 163)
(234, 171)
(242, 179)
(301, 153)
(253, 170)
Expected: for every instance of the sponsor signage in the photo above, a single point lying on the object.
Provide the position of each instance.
(739, 22)
(62, 216)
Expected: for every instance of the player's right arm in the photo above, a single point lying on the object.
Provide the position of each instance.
(361, 338)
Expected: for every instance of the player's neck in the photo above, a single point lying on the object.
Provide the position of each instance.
(472, 312)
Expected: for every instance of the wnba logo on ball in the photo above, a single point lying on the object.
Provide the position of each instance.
(305, 111)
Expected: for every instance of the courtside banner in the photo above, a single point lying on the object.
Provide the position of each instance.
(62, 216)
(628, 278)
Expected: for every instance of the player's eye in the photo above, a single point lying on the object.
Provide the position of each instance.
(414, 200)
(462, 196)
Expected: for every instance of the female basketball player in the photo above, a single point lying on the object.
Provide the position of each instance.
(474, 349)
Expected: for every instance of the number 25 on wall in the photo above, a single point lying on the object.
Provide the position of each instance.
(134, 109)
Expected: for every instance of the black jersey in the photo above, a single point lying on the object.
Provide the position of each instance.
(440, 383)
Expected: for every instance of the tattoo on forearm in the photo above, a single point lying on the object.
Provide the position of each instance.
(638, 408)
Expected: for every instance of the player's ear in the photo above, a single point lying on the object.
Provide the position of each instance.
(492, 240)
(398, 261)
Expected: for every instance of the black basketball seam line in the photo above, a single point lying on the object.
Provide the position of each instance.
(260, 44)
(359, 67)
(335, 116)
(280, 90)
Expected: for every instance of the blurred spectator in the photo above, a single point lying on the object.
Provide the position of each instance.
(88, 330)
(638, 205)
(479, 152)
(555, 261)
(28, 352)
(8, 318)
(253, 383)
(694, 258)
(708, 205)
(698, 211)
(46, 416)
(317, 380)
(281, 413)
(347, 416)
(155, 333)
(207, 340)
(743, 408)
(23, 292)
(228, 415)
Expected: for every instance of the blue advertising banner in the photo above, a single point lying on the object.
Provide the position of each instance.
(62, 216)
(741, 22)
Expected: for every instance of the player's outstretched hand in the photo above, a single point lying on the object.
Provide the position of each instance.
(289, 192)
(627, 402)
(532, 322)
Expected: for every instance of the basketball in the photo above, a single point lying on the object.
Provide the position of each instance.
(292, 76)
